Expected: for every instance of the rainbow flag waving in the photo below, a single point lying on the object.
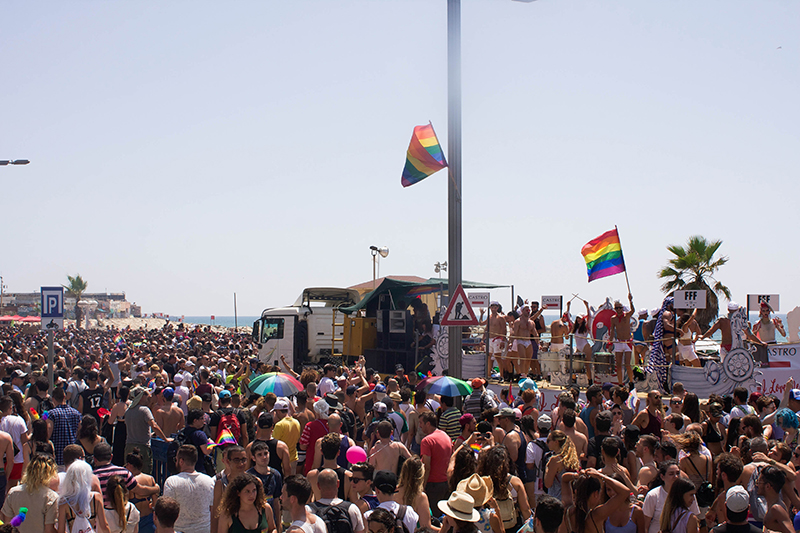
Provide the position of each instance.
(424, 156)
(603, 256)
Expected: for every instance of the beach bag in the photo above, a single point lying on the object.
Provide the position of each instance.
(705, 492)
(336, 517)
(230, 422)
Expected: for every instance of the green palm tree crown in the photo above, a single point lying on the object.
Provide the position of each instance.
(77, 286)
(694, 267)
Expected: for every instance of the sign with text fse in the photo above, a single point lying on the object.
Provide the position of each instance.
(52, 308)
(754, 302)
(695, 299)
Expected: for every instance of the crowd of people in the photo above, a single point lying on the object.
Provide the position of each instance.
(355, 451)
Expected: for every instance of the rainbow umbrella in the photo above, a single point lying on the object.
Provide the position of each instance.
(278, 383)
(446, 386)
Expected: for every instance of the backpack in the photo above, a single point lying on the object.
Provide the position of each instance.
(336, 517)
(230, 422)
(79, 523)
(400, 526)
(508, 511)
(705, 491)
(45, 404)
(758, 504)
(180, 439)
(540, 470)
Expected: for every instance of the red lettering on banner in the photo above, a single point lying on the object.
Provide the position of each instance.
(774, 387)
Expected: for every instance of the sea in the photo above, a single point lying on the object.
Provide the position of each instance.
(219, 320)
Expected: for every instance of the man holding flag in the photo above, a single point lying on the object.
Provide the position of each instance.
(620, 332)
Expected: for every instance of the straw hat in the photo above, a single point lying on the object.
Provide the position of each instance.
(460, 506)
(480, 488)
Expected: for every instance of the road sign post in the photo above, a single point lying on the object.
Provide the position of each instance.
(52, 320)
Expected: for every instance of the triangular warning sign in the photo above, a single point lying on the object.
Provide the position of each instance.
(459, 312)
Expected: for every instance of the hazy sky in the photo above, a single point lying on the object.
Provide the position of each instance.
(184, 151)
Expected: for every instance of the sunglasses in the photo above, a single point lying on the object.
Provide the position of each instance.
(357, 479)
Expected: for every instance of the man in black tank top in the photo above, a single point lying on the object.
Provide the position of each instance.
(329, 446)
(270, 478)
(278, 450)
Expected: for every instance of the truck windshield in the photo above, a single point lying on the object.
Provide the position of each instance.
(271, 328)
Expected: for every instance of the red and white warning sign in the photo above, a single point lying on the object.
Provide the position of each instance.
(459, 312)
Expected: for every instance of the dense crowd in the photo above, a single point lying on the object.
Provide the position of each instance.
(353, 451)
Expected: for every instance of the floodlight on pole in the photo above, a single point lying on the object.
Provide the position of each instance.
(383, 251)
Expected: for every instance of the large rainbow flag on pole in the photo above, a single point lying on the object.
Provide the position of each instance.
(603, 256)
(424, 156)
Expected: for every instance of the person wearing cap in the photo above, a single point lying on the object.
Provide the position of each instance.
(468, 425)
(312, 432)
(18, 378)
(392, 401)
(182, 391)
(385, 484)
(380, 412)
(278, 450)
(737, 505)
(167, 415)
(535, 455)
(287, 430)
(480, 399)
(723, 325)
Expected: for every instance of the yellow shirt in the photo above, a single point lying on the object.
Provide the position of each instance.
(288, 431)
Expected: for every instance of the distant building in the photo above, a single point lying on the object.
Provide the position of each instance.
(101, 305)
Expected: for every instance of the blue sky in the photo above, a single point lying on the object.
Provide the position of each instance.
(183, 151)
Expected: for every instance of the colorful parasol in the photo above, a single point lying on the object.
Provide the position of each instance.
(445, 386)
(278, 383)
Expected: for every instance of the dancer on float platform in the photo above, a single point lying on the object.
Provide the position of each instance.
(620, 333)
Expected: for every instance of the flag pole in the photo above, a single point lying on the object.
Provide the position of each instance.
(627, 282)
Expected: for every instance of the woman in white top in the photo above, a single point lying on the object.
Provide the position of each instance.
(124, 517)
(78, 506)
(582, 332)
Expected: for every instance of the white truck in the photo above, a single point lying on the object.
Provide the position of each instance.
(308, 332)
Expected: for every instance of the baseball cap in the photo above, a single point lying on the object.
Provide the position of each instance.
(281, 405)
(506, 412)
(465, 419)
(608, 386)
(737, 499)
(379, 407)
(526, 384)
(265, 420)
(168, 393)
(794, 394)
(178, 378)
(494, 302)
(206, 397)
(19, 374)
(380, 388)
(224, 394)
(385, 481)
(477, 383)
(351, 389)
(544, 422)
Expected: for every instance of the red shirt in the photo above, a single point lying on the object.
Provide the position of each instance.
(314, 430)
(439, 448)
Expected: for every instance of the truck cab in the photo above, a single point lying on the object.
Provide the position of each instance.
(309, 332)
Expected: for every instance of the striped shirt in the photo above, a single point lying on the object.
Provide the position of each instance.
(449, 423)
(105, 472)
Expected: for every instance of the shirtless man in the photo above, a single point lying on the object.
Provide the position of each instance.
(559, 328)
(540, 328)
(578, 439)
(498, 336)
(620, 332)
(167, 415)
(723, 325)
(385, 453)
(522, 348)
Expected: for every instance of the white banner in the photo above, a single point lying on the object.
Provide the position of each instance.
(551, 302)
(754, 302)
(695, 299)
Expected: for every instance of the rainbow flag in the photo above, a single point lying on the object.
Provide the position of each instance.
(424, 156)
(225, 438)
(603, 256)
(118, 340)
(475, 447)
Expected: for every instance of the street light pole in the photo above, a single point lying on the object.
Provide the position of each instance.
(454, 169)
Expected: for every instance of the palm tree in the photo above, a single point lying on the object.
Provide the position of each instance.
(693, 268)
(76, 288)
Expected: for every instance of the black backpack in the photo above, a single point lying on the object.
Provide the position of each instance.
(44, 404)
(336, 517)
(540, 470)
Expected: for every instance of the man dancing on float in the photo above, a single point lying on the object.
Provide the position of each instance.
(620, 333)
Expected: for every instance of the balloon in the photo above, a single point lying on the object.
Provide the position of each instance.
(356, 454)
